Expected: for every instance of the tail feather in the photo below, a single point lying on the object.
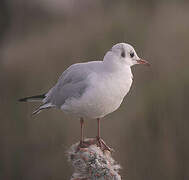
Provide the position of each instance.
(33, 98)
(38, 98)
(42, 107)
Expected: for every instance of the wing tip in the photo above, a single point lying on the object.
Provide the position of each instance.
(22, 100)
(42, 107)
(37, 111)
(32, 98)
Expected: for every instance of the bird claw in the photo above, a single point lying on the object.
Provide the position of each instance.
(103, 145)
(98, 141)
(81, 145)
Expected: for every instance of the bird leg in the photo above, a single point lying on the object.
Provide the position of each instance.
(98, 122)
(100, 141)
(82, 143)
(81, 135)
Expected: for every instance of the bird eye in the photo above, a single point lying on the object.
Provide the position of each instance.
(123, 54)
(132, 54)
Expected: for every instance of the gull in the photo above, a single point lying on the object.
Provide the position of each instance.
(92, 89)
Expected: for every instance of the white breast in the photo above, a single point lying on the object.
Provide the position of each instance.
(104, 95)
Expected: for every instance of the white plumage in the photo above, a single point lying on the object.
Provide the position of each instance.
(94, 89)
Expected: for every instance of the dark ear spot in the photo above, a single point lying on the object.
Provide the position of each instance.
(132, 54)
(123, 54)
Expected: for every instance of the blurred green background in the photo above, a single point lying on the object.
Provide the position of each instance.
(39, 39)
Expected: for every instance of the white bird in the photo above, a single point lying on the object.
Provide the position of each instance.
(93, 89)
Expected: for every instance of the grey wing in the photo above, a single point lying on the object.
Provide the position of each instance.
(72, 83)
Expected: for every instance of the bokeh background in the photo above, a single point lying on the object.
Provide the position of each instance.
(39, 39)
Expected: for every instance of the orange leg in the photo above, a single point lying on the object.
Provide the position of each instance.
(101, 143)
(82, 128)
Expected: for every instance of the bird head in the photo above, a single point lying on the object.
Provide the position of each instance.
(124, 54)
